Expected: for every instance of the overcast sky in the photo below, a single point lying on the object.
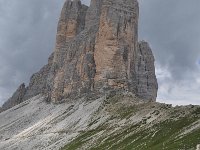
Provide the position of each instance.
(27, 37)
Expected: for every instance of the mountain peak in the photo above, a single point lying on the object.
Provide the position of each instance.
(97, 52)
(98, 90)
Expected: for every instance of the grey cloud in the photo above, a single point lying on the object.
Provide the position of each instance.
(27, 37)
(172, 27)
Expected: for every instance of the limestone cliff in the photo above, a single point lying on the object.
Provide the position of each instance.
(97, 51)
(147, 84)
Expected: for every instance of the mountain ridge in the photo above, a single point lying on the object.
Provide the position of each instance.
(120, 122)
(98, 90)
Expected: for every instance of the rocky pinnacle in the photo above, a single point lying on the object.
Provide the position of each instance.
(97, 51)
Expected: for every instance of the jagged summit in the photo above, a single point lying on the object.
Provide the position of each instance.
(96, 52)
(107, 79)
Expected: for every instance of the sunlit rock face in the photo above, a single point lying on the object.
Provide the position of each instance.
(116, 45)
(97, 51)
(100, 51)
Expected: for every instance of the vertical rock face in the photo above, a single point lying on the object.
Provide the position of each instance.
(147, 83)
(73, 65)
(71, 23)
(116, 44)
(102, 55)
(96, 51)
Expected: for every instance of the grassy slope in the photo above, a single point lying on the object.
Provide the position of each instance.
(163, 134)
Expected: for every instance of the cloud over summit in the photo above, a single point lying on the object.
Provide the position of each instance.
(27, 37)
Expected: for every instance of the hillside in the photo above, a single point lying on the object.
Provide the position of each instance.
(114, 122)
(98, 90)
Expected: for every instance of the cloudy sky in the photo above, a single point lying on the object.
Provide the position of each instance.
(27, 37)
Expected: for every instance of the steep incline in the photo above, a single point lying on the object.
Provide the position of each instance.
(121, 122)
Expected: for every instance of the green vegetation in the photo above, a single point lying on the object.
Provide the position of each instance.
(80, 140)
(118, 109)
(197, 111)
(163, 135)
(126, 112)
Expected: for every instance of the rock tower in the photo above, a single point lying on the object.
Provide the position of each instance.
(96, 51)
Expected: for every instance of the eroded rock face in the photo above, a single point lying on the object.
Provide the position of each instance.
(147, 86)
(116, 43)
(102, 55)
(38, 80)
(16, 98)
(97, 51)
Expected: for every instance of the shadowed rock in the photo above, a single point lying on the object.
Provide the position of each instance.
(15, 99)
(147, 83)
